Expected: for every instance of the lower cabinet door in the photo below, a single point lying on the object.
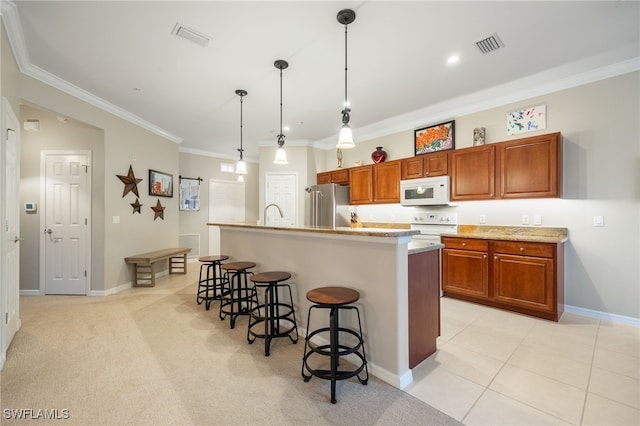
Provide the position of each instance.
(465, 272)
(524, 281)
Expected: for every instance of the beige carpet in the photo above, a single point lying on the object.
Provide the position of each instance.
(153, 356)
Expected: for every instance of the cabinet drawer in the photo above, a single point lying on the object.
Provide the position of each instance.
(524, 248)
(465, 244)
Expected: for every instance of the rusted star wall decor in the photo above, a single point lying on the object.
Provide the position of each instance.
(130, 182)
(158, 211)
(136, 207)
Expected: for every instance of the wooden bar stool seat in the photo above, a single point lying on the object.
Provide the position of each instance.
(237, 300)
(270, 315)
(212, 283)
(342, 341)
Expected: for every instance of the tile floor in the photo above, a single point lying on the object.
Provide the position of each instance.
(494, 367)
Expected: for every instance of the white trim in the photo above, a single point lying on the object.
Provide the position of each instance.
(31, 292)
(602, 315)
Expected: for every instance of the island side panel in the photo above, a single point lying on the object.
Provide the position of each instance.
(424, 305)
(375, 266)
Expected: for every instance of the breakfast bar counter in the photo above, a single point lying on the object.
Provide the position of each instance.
(373, 261)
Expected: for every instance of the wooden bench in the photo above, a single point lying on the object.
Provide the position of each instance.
(144, 276)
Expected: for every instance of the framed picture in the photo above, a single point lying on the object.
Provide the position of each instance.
(439, 137)
(189, 193)
(160, 184)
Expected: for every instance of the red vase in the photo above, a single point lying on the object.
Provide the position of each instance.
(378, 156)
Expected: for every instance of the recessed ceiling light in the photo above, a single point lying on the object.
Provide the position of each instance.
(453, 59)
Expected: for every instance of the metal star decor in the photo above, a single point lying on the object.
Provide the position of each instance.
(130, 182)
(158, 211)
(136, 206)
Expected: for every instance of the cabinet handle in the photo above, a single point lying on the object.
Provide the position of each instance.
(495, 257)
(521, 249)
(464, 244)
(484, 256)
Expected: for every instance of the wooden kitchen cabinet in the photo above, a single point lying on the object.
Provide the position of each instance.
(473, 175)
(465, 266)
(361, 185)
(530, 167)
(386, 182)
(525, 277)
(375, 183)
(340, 176)
(434, 164)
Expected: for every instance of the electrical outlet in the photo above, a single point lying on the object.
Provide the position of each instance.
(483, 219)
(537, 220)
(525, 219)
(598, 221)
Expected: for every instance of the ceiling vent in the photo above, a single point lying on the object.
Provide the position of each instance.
(490, 44)
(190, 34)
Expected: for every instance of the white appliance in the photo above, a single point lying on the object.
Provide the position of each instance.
(431, 191)
(431, 226)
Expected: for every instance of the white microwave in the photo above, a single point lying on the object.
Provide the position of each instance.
(431, 191)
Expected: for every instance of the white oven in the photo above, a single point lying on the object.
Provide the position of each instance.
(431, 226)
(431, 191)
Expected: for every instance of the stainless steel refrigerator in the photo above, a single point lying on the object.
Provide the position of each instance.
(328, 205)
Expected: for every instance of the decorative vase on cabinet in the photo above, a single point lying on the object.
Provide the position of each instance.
(378, 156)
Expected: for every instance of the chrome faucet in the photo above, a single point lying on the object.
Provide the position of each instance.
(271, 205)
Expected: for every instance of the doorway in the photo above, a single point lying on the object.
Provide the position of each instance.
(281, 189)
(65, 247)
(10, 219)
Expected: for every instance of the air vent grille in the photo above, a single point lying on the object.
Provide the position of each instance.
(490, 44)
(190, 34)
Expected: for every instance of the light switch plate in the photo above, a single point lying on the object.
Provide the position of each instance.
(537, 220)
(598, 221)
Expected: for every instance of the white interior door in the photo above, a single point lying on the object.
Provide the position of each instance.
(11, 228)
(67, 211)
(281, 189)
(226, 205)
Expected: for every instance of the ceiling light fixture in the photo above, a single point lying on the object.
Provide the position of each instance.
(345, 140)
(241, 166)
(281, 154)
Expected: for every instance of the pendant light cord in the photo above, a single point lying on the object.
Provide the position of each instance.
(241, 96)
(345, 67)
(281, 135)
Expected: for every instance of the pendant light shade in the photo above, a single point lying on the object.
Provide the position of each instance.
(281, 154)
(241, 166)
(345, 140)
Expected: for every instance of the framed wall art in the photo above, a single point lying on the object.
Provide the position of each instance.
(438, 137)
(160, 184)
(527, 120)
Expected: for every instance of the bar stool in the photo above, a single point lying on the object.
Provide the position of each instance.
(238, 297)
(212, 285)
(335, 299)
(276, 316)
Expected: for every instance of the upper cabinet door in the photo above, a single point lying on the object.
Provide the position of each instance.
(386, 182)
(361, 185)
(412, 168)
(530, 167)
(436, 164)
(473, 173)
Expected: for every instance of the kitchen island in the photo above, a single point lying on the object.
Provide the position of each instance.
(373, 261)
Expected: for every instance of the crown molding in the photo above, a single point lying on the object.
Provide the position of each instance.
(539, 84)
(18, 45)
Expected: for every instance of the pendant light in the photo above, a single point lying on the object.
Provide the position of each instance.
(345, 140)
(281, 154)
(241, 166)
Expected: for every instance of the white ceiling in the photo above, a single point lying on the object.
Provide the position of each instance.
(123, 56)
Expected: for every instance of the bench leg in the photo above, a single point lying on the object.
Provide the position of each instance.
(178, 264)
(144, 276)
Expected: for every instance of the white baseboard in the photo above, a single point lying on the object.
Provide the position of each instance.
(602, 315)
(31, 293)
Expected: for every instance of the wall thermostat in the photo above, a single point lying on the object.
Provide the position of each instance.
(30, 207)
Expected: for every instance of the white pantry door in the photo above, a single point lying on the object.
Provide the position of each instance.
(281, 189)
(10, 227)
(67, 211)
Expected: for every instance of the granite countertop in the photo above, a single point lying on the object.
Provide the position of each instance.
(368, 232)
(420, 247)
(512, 233)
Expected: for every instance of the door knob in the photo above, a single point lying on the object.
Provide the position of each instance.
(48, 231)
(16, 239)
